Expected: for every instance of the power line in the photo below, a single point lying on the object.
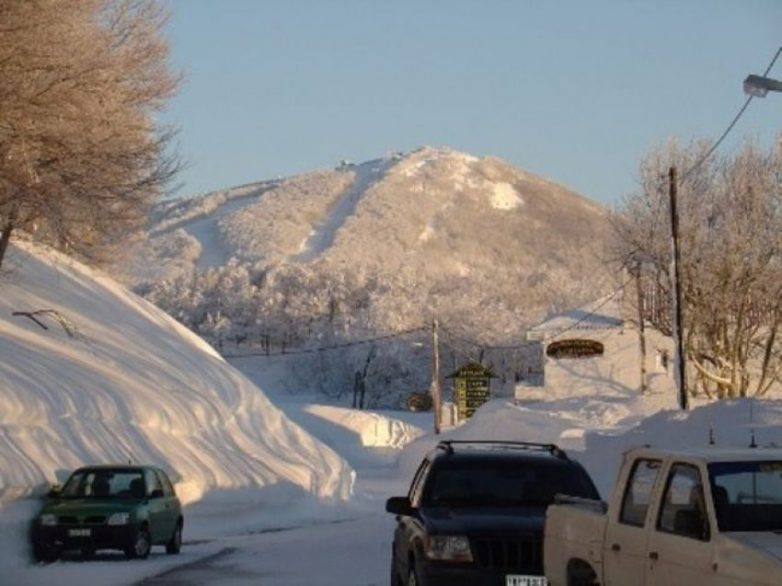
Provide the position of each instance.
(330, 347)
(733, 122)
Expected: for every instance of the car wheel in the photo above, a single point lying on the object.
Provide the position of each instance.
(141, 545)
(581, 574)
(175, 543)
(412, 577)
(395, 580)
(44, 553)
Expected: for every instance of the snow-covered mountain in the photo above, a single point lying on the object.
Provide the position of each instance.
(91, 373)
(389, 243)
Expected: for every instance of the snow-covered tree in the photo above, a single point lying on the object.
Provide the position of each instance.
(730, 214)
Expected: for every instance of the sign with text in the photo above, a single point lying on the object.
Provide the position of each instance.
(471, 389)
(574, 348)
(419, 402)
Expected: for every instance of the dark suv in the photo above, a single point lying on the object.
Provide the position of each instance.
(475, 511)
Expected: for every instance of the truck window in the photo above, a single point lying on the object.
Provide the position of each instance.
(638, 494)
(747, 495)
(683, 510)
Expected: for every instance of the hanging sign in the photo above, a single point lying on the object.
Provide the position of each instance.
(574, 348)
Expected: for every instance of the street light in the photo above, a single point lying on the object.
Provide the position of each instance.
(759, 86)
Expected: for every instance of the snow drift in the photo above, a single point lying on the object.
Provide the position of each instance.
(103, 376)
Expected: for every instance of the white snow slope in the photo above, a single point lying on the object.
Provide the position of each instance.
(116, 379)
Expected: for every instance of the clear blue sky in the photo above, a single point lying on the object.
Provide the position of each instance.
(573, 90)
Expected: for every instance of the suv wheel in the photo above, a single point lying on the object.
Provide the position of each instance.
(412, 578)
(141, 545)
(44, 553)
(175, 543)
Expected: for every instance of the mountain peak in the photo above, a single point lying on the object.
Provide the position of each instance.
(431, 230)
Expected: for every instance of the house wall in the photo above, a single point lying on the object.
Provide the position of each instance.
(618, 369)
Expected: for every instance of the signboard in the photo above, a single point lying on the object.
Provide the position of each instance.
(574, 348)
(419, 402)
(471, 389)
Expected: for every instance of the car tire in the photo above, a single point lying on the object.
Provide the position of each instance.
(44, 553)
(141, 546)
(174, 544)
(395, 580)
(581, 574)
(412, 578)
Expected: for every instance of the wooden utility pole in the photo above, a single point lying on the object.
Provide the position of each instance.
(642, 336)
(678, 324)
(435, 387)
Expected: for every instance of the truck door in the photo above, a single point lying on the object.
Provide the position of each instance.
(625, 547)
(681, 550)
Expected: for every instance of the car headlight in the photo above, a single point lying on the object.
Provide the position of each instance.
(449, 548)
(119, 519)
(48, 520)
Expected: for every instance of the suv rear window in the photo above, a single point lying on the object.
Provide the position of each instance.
(464, 484)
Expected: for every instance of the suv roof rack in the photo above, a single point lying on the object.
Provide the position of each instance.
(553, 449)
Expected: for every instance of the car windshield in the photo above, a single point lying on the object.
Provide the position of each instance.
(100, 484)
(747, 495)
(505, 484)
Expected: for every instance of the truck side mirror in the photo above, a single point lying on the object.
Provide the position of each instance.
(400, 505)
(55, 490)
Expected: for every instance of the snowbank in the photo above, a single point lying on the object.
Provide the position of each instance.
(113, 379)
(596, 430)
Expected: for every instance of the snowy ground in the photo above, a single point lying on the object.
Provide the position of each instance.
(348, 544)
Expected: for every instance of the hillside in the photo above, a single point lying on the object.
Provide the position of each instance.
(372, 249)
(432, 231)
(96, 374)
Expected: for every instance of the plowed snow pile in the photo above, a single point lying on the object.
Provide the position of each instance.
(95, 374)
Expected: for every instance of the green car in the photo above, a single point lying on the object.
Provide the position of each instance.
(130, 508)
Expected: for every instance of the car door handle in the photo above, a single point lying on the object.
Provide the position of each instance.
(616, 547)
(653, 555)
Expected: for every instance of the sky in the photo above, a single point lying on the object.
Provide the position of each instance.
(574, 90)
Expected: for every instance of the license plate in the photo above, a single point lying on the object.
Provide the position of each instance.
(79, 533)
(525, 581)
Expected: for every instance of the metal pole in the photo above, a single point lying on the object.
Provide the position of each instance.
(678, 322)
(435, 388)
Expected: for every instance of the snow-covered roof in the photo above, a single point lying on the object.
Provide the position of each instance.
(604, 313)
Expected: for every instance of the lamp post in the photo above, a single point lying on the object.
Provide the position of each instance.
(759, 85)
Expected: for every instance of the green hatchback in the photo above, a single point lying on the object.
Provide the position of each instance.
(130, 508)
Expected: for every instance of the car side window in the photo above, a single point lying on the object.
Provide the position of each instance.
(416, 488)
(638, 493)
(153, 482)
(683, 510)
(168, 489)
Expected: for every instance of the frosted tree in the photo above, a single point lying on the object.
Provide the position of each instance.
(81, 152)
(730, 214)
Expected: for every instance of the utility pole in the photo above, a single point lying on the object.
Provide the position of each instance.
(678, 324)
(641, 315)
(435, 387)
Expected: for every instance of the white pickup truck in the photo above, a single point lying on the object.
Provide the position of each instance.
(701, 517)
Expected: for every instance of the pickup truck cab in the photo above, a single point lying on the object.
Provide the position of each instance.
(703, 516)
